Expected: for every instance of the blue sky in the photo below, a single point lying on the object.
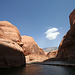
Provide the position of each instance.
(37, 18)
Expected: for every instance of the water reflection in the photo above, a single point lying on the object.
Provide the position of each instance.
(35, 69)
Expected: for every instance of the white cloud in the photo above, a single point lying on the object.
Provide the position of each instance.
(52, 33)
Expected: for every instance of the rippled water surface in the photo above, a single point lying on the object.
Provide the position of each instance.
(36, 69)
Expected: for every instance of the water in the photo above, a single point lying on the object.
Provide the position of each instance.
(36, 69)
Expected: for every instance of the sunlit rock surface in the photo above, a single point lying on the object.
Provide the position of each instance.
(30, 46)
(10, 31)
(11, 54)
(35, 58)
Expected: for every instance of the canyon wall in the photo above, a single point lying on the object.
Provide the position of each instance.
(66, 50)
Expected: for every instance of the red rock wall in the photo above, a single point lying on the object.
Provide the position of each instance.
(10, 31)
(66, 48)
(11, 54)
(30, 46)
(13, 47)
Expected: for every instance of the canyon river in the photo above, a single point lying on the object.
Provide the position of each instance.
(39, 69)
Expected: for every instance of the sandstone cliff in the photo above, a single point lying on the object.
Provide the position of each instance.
(11, 54)
(66, 50)
(30, 46)
(10, 31)
(14, 48)
(52, 54)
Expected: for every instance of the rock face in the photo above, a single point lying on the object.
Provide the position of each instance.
(14, 47)
(30, 46)
(41, 51)
(52, 54)
(35, 58)
(1, 33)
(11, 54)
(72, 18)
(66, 48)
(46, 53)
(10, 31)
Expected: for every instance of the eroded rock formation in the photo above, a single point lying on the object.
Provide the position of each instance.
(66, 48)
(52, 54)
(30, 46)
(11, 54)
(35, 58)
(10, 31)
(14, 48)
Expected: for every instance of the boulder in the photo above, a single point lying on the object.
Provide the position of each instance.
(30, 46)
(10, 31)
(11, 54)
(66, 48)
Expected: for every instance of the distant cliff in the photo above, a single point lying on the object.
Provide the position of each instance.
(48, 49)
